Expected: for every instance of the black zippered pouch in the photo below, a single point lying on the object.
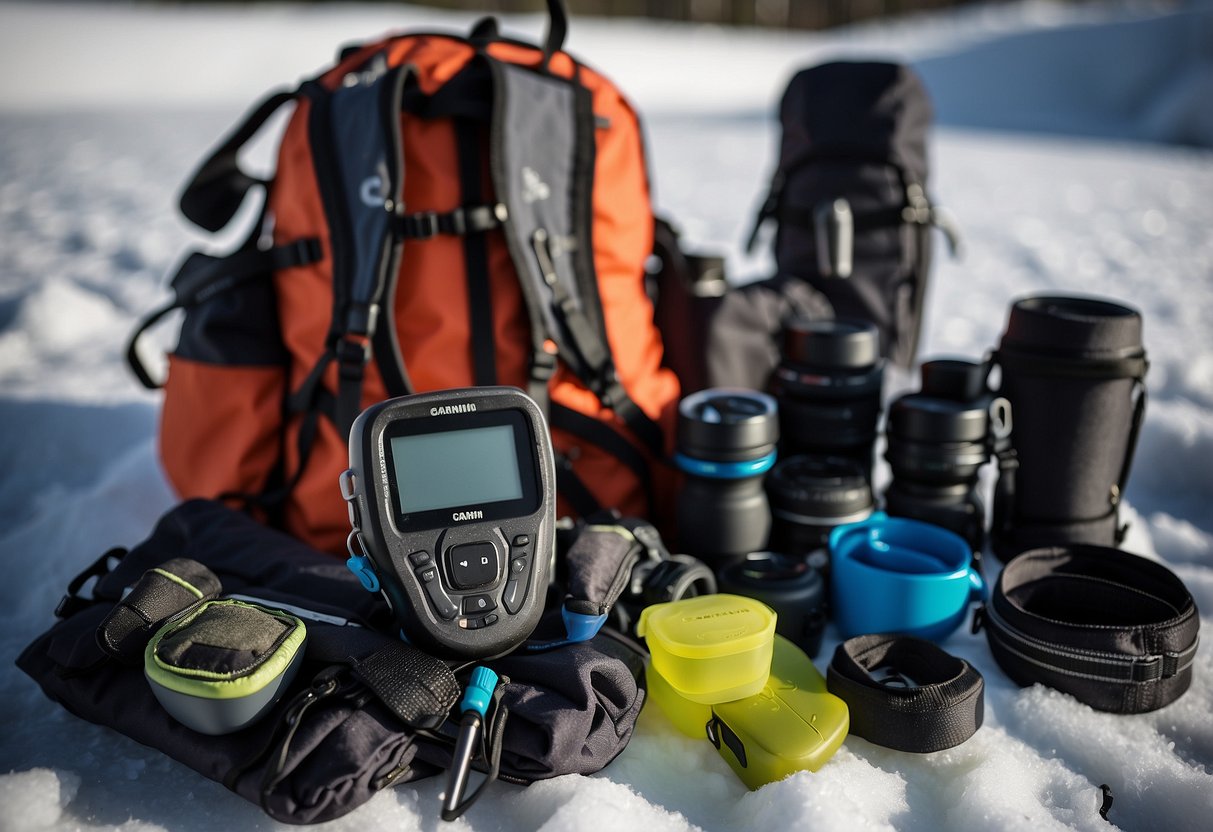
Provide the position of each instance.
(1115, 630)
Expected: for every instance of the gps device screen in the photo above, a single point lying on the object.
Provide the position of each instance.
(457, 468)
(478, 462)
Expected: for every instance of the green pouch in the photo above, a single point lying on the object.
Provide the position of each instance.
(221, 665)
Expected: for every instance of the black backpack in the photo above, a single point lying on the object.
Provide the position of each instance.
(849, 196)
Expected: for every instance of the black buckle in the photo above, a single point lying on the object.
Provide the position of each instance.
(304, 251)
(352, 351)
(543, 365)
(1147, 669)
(420, 226)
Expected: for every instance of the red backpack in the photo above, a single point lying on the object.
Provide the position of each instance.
(445, 212)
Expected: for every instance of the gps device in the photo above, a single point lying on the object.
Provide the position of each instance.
(452, 500)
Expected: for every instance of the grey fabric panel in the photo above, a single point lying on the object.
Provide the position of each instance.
(370, 174)
(532, 163)
(600, 565)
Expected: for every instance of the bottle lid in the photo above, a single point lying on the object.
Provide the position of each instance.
(838, 344)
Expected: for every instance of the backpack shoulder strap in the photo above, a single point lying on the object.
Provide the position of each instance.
(354, 131)
(542, 165)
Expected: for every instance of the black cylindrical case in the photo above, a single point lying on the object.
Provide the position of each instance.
(1073, 369)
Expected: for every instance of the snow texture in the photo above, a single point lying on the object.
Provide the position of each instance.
(1091, 173)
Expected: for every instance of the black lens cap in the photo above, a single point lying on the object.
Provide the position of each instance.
(954, 378)
(921, 418)
(838, 344)
(819, 487)
(727, 424)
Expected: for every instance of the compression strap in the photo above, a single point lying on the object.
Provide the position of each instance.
(1117, 631)
(907, 694)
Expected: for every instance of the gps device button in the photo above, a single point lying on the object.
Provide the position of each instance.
(419, 558)
(443, 605)
(518, 565)
(427, 575)
(478, 603)
(472, 564)
(515, 592)
(522, 540)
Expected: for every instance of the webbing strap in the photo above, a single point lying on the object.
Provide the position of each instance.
(1117, 631)
(907, 694)
(542, 163)
(72, 601)
(215, 192)
(354, 130)
(464, 221)
(573, 488)
(598, 433)
(418, 688)
(1086, 664)
(475, 253)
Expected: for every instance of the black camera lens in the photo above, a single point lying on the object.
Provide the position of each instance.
(828, 385)
(938, 439)
(810, 495)
(726, 443)
(786, 584)
(958, 507)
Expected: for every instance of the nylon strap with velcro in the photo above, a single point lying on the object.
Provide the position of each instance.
(1117, 631)
(418, 688)
(907, 694)
(161, 593)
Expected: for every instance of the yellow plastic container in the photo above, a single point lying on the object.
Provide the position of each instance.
(793, 724)
(691, 718)
(711, 648)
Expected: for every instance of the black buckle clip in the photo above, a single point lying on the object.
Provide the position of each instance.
(352, 352)
(543, 365)
(420, 226)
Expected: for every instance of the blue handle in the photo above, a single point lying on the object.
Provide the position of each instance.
(978, 589)
(479, 692)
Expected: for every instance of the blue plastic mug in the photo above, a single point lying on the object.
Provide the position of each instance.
(895, 575)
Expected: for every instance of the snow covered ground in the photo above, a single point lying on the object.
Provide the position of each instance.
(104, 109)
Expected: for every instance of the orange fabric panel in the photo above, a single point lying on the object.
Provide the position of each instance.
(305, 292)
(219, 427)
(431, 292)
